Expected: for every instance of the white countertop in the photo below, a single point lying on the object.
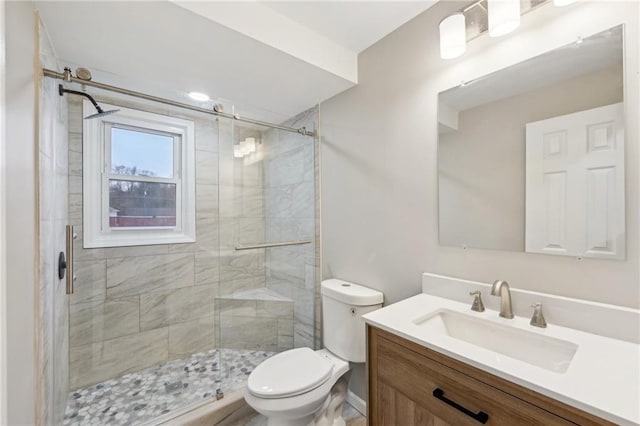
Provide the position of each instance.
(603, 378)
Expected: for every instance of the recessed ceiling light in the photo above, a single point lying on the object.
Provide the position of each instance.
(197, 96)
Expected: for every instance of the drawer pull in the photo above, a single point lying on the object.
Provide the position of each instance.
(481, 416)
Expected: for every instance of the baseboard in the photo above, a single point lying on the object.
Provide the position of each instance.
(356, 402)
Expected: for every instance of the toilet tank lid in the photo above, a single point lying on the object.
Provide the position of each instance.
(350, 293)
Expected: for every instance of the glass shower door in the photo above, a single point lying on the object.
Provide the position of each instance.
(142, 345)
(268, 262)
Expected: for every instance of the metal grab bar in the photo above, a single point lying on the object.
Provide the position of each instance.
(286, 243)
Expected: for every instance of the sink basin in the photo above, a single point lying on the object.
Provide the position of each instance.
(533, 348)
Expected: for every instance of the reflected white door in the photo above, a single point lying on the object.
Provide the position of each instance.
(575, 184)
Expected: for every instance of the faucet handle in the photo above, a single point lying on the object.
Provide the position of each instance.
(537, 320)
(477, 304)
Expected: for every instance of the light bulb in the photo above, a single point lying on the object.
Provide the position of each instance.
(244, 149)
(504, 16)
(453, 36)
(251, 144)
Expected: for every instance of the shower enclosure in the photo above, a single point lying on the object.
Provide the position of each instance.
(154, 330)
(268, 235)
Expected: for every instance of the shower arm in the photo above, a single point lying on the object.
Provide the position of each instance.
(62, 91)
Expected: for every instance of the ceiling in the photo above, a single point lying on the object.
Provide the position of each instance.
(271, 60)
(355, 25)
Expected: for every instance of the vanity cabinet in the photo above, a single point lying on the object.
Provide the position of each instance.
(413, 385)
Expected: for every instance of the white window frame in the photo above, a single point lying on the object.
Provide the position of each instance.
(96, 159)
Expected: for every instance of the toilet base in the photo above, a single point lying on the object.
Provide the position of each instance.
(329, 413)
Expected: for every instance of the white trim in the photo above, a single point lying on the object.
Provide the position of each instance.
(356, 402)
(96, 176)
(273, 29)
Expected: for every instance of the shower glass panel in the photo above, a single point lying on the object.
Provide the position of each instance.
(267, 197)
(142, 345)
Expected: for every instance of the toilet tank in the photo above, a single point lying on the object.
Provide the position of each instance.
(343, 329)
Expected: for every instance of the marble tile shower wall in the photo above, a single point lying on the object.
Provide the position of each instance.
(267, 196)
(241, 211)
(291, 213)
(53, 333)
(135, 307)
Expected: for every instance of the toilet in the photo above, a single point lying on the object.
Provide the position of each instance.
(303, 387)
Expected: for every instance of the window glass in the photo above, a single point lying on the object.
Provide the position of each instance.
(146, 193)
(138, 153)
(133, 203)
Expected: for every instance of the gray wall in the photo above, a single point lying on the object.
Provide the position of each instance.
(482, 164)
(379, 162)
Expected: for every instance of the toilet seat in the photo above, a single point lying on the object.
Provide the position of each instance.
(289, 373)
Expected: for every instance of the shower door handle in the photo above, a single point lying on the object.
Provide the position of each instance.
(69, 261)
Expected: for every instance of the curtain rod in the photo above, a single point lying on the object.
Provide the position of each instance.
(66, 76)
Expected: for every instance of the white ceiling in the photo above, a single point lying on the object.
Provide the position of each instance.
(355, 25)
(272, 60)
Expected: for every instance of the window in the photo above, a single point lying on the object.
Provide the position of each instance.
(139, 179)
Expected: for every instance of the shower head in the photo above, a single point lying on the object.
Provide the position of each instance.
(100, 113)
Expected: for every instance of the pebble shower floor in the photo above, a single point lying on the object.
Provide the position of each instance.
(142, 396)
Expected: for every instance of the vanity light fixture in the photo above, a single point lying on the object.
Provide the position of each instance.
(200, 97)
(250, 145)
(499, 17)
(504, 16)
(245, 147)
(237, 151)
(453, 36)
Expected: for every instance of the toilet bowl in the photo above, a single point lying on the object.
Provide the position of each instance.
(302, 387)
(303, 381)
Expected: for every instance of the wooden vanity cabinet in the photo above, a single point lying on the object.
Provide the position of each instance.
(412, 385)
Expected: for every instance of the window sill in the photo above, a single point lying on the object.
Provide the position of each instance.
(138, 240)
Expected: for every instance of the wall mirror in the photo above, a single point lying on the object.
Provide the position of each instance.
(531, 157)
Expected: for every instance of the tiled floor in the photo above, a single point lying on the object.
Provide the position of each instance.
(139, 397)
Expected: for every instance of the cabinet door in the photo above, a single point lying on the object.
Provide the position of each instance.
(407, 388)
(395, 408)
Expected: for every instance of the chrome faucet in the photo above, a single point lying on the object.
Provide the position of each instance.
(501, 288)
